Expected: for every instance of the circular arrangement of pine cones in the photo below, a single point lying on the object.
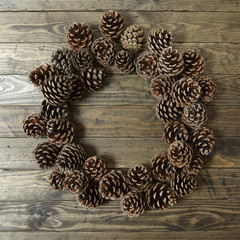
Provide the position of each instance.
(175, 81)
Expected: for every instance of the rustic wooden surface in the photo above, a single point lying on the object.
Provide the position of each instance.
(118, 122)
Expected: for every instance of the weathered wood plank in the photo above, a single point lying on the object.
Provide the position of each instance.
(187, 26)
(20, 58)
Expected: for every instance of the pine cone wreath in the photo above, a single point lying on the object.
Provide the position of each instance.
(168, 110)
(90, 197)
(175, 131)
(195, 116)
(133, 39)
(112, 24)
(78, 90)
(161, 168)
(124, 62)
(160, 197)
(146, 65)
(113, 185)
(60, 131)
(139, 178)
(170, 62)
(194, 166)
(186, 91)
(95, 168)
(56, 179)
(82, 59)
(133, 204)
(76, 182)
(46, 154)
(193, 63)
(79, 36)
(40, 74)
(202, 140)
(104, 50)
(159, 40)
(180, 154)
(34, 126)
(182, 184)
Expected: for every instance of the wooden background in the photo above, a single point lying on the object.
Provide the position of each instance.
(118, 122)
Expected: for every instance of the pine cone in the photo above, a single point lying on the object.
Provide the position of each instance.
(46, 155)
(139, 178)
(60, 131)
(202, 140)
(62, 61)
(133, 204)
(159, 40)
(195, 115)
(208, 89)
(180, 154)
(112, 24)
(182, 184)
(71, 157)
(90, 197)
(133, 38)
(34, 126)
(160, 196)
(92, 79)
(82, 59)
(56, 179)
(78, 89)
(40, 74)
(146, 65)
(124, 62)
(76, 182)
(79, 36)
(193, 63)
(161, 168)
(168, 110)
(194, 166)
(175, 131)
(113, 185)
(161, 87)
(170, 62)
(186, 91)
(95, 168)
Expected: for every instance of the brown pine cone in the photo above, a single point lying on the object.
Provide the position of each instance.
(186, 91)
(195, 116)
(92, 79)
(95, 168)
(82, 59)
(194, 166)
(79, 36)
(104, 50)
(40, 74)
(46, 155)
(160, 197)
(159, 40)
(133, 38)
(133, 204)
(208, 89)
(56, 179)
(112, 24)
(124, 62)
(146, 65)
(139, 178)
(76, 181)
(202, 140)
(180, 154)
(90, 197)
(168, 110)
(60, 131)
(175, 131)
(161, 168)
(161, 86)
(182, 184)
(193, 63)
(34, 126)
(78, 90)
(170, 62)
(113, 185)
